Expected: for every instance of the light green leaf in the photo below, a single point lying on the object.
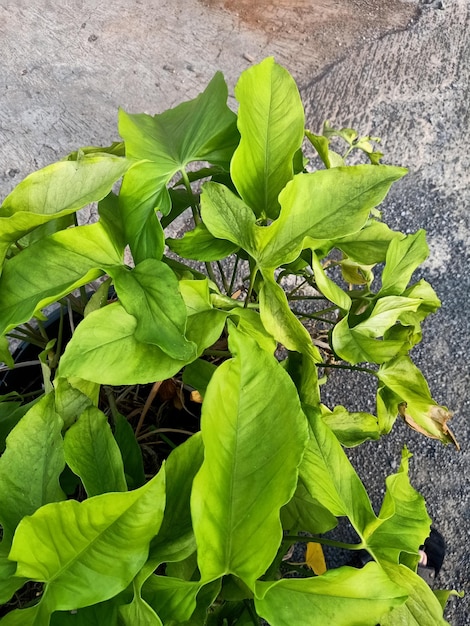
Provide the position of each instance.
(92, 453)
(87, 552)
(326, 204)
(70, 400)
(52, 268)
(31, 465)
(351, 429)
(369, 246)
(150, 293)
(228, 217)
(104, 348)
(198, 374)
(328, 287)
(173, 599)
(360, 343)
(138, 612)
(343, 597)
(55, 191)
(199, 245)
(403, 257)
(422, 607)
(250, 466)
(321, 145)
(271, 123)
(330, 478)
(403, 521)
(387, 408)
(5, 356)
(9, 583)
(304, 513)
(417, 407)
(202, 129)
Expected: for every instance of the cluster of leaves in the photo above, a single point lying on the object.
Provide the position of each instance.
(202, 540)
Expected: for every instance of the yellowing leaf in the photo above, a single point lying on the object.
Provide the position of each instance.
(315, 559)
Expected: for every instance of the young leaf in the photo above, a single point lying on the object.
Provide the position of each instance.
(337, 597)
(199, 245)
(28, 481)
(271, 123)
(250, 466)
(403, 257)
(72, 546)
(92, 453)
(150, 293)
(328, 287)
(55, 191)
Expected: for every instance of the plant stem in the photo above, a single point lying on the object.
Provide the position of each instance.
(306, 298)
(354, 368)
(326, 542)
(150, 398)
(5, 368)
(313, 316)
(209, 352)
(234, 275)
(224, 280)
(193, 203)
(253, 273)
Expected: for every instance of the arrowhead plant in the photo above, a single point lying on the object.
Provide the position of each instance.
(285, 272)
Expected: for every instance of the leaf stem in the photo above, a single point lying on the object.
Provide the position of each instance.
(354, 368)
(234, 275)
(5, 368)
(193, 203)
(326, 542)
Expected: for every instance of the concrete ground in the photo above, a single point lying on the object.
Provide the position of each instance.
(398, 69)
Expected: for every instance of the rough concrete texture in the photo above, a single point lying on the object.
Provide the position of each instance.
(397, 69)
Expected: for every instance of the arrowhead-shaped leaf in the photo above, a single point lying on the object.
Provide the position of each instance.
(92, 453)
(87, 552)
(55, 191)
(31, 465)
(271, 123)
(250, 465)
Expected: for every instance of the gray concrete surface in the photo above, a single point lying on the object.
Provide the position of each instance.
(399, 70)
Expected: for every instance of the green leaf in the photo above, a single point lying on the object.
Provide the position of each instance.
(250, 466)
(321, 145)
(5, 356)
(198, 374)
(202, 129)
(328, 287)
(31, 465)
(10, 415)
(71, 399)
(422, 607)
(138, 612)
(130, 451)
(326, 204)
(228, 217)
(103, 613)
(369, 246)
(150, 293)
(199, 245)
(305, 513)
(360, 343)
(38, 615)
(87, 552)
(403, 257)
(55, 191)
(330, 478)
(271, 123)
(342, 597)
(403, 521)
(104, 348)
(417, 407)
(174, 600)
(92, 453)
(52, 268)
(351, 429)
